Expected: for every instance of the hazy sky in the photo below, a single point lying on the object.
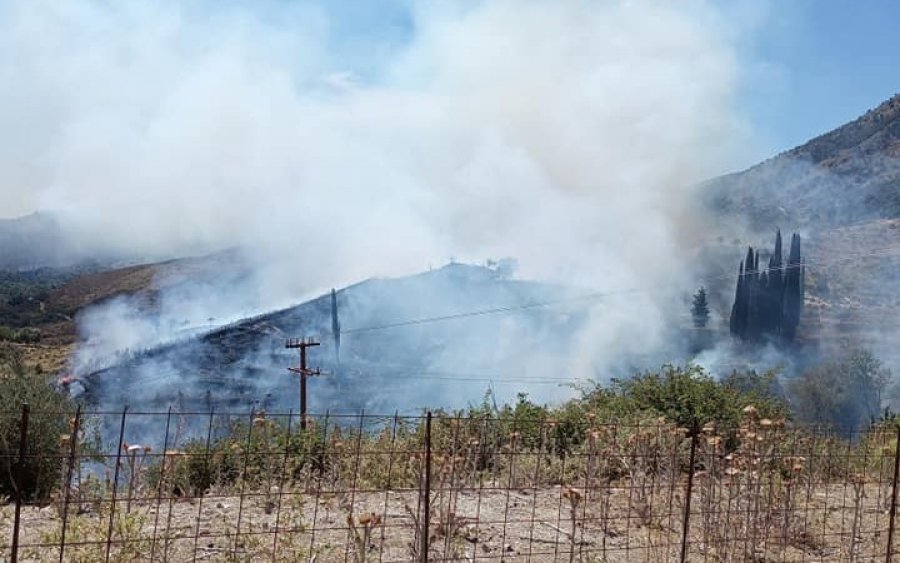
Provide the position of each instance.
(816, 64)
(794, 69)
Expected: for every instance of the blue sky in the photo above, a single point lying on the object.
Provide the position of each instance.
(830, 61)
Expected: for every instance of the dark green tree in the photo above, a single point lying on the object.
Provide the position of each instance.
(793, 291)
(700, 309)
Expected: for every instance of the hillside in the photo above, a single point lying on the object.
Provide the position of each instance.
(49, 299)
(145, 280)
(382, 366)
(845, 176)
(841, 191)
(33, 241)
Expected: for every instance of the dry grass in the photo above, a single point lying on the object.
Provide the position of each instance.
(518, 525)
(49, 357)
(760, 492)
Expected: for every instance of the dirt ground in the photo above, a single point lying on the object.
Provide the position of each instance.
(474, 524)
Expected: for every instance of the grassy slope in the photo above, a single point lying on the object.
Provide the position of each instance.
(53, 298)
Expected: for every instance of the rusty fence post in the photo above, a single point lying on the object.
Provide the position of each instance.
(893, 513)
(426, 504)
(20, 473)
(686, 526)
(73, 445)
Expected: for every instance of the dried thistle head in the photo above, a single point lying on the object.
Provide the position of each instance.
(572, 494)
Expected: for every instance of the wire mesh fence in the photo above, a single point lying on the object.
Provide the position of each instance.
(177, 486)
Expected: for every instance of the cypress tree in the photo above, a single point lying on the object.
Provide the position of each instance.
(752, 331)
(737, 320)
(768, 303)
(793, 291)
(776, 285)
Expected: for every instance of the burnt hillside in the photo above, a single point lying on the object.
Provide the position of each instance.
(383, 367)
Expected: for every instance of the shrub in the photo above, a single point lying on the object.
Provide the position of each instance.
(48, 423)
(241, 452)
(846, 392)
(688, 396)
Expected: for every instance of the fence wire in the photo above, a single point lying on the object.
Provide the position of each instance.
(177, 486)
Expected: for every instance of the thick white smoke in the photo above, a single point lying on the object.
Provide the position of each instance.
(561, 132)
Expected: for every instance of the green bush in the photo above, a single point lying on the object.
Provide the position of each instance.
(48, 423)
(688, 396)
(29, 335)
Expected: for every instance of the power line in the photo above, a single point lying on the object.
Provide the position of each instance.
(601, 294)
(584, 297)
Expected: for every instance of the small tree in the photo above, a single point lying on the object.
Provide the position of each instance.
(700, 309)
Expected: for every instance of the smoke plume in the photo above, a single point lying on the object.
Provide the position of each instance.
(563, 133)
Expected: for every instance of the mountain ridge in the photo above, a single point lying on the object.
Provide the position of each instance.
(846, 175)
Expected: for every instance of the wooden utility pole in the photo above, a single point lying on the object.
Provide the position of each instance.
(302, 344)
(335, 329)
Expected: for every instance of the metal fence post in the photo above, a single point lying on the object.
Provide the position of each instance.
(686, 527)
(73, 445)
(893, 513)
(426, 505)
(20, 472)
(112, 506)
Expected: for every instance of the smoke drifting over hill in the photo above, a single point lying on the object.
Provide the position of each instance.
(562, 133)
